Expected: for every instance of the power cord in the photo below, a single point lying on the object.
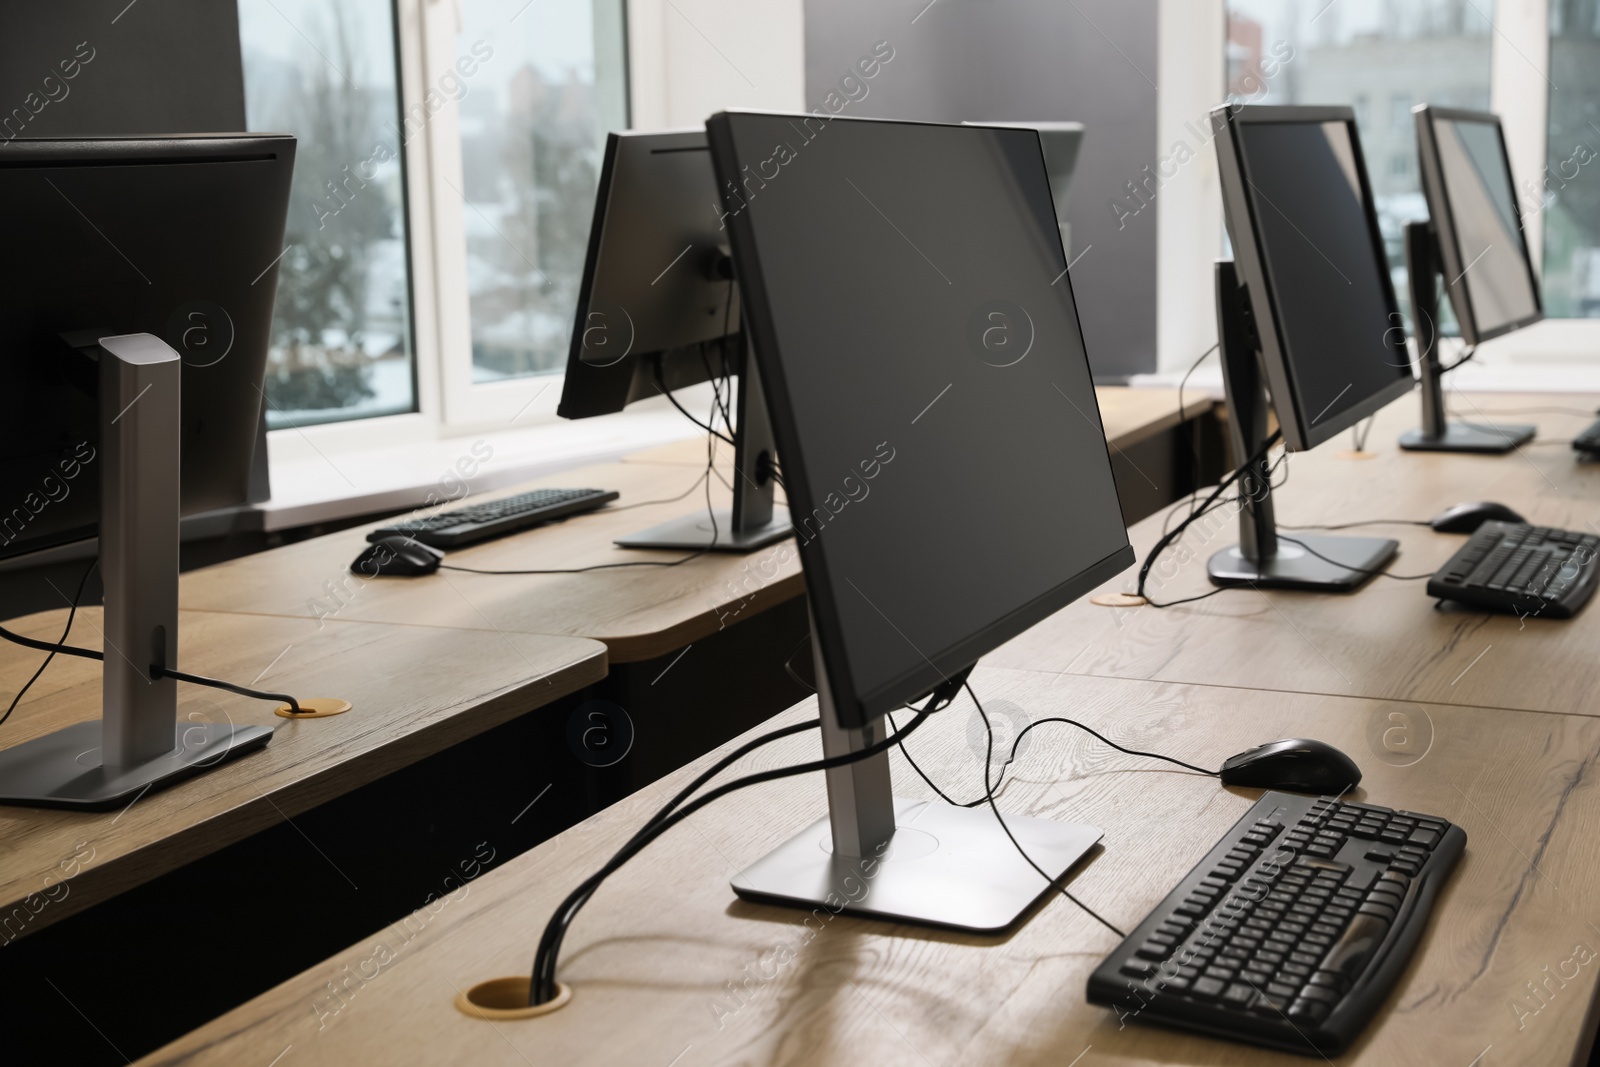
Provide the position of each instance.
(71, 615)
(1357, 570)
(1168, 538)
(544, 965)
(989, 796)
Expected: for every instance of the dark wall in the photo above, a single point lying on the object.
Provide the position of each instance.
(156, 66)
(1020, 61)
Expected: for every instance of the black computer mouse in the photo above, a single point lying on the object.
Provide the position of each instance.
(1465, 518)
(1297, 764)
(397, 557)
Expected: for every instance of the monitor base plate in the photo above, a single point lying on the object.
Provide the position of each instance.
(62, 770)
(694, 533)
(1482, 437)
(1295, 568)
(945, 866)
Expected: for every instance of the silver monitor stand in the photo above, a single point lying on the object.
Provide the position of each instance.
(917, 861)
(754, 521)
(138, 742)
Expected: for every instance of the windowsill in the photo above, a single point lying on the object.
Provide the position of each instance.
(322, 487)
(1553, 356)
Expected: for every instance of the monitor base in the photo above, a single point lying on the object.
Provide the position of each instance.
(1292, 567)
(945, 866)
(1486, 438)
(694, 532)
(63, 770)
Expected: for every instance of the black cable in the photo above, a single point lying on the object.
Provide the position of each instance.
(989, 791)
(1168, 538)
(214, 683)
(543, 982)
(155, 670)
(661, 385)
(1194, 456)
(1357, 570)
(1360, 436)
(584, 570)
(1470, 351)
(652, 503)
(935, 786)
(1352, 525)
(71, 614)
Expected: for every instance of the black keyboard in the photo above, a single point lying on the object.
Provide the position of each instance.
(1588, 441)
(1292, 931)
(495, 518)
(1531, 570)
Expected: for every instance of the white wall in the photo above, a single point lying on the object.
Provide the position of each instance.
(690, 58)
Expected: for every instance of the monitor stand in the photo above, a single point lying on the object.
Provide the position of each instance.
(138, 743)
(914, 861)
(1261, 559)
(754, 521)
(1437, 433)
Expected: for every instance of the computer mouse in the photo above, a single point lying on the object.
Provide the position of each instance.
(1298, 764)
(397, 557)
(1465, 518)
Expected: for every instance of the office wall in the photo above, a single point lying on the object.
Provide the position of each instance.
(688, 59)
(154, 66)
(1089, 61)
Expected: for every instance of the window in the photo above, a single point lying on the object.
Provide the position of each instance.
(342, 344)
(444, 185)
(1396, 54)
(1569, 188)
(532, 131)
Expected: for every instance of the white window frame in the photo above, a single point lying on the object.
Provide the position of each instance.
(675, 78)
(1192, 74)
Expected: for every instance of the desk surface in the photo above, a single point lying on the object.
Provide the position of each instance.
(639, 613)
(1386, 639)
(417, 690)
(1128, 415)
(665, 962)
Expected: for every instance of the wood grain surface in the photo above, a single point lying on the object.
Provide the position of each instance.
(1386, 639)
(639, 613)
(668, 968)
(416, 690)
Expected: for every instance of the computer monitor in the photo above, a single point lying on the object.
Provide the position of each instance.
(1062, 142)
(1474, 236)
(135, 313)
(1308, 301)
(905, 288)
(658, 310)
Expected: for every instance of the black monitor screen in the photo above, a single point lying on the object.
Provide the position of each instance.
(937, 427)
(1488, 232)
(1330, 292)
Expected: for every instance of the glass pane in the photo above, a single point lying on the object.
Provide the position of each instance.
(1572, 211)
(549, 84)
(1379, 57)
(325, 71)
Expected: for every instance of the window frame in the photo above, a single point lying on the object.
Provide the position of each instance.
(1189, 222)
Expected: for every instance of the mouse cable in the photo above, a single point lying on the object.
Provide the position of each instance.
(1357, 570)
(155, 670)
(544, 965)
(716, 532)
(67, 630)
(1194, 455)
(989, 796)
(1352, 525)
(1168, 538)
(1017, 743)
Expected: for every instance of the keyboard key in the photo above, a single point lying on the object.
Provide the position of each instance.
(1154, 950)
(1308, 1011)
(1207, 988)
(1239, 995)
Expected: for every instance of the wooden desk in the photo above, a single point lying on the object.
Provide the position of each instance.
(416, 689)
(1386, 639)
(666, 963)
(638, 612)
(1130, 416)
